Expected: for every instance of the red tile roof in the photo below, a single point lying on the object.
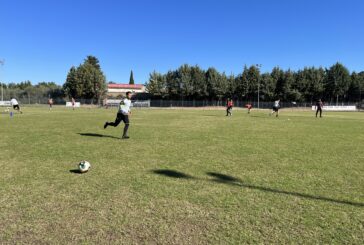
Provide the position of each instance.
(125, 86)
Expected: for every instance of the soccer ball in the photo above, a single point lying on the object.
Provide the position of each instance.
(84, 166)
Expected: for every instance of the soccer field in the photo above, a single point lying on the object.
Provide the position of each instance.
(184, 177)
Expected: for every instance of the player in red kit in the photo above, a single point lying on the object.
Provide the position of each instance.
(249, 107)
(229, 107)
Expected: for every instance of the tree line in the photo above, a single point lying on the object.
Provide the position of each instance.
(306, 85)
(87, 81)
(27, 92)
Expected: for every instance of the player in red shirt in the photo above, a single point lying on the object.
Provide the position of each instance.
(229, 107)
(249, 107)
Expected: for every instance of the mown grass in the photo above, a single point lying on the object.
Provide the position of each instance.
(184, 177)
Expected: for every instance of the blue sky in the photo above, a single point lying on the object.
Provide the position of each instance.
(41, 39)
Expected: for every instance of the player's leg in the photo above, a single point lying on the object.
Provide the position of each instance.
(126, 127)
(320, 112)
(116, 122)
(17, 108)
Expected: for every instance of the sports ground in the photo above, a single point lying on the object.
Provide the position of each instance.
(184, 177)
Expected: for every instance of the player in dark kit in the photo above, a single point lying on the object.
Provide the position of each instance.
(229, 107)
(123, 115)
(319, 106)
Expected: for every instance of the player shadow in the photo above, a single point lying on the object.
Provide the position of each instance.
(259, 116)
(223, 177)
(98, 135)
(172, 174)
(229, 180)
(233, 181)
(75, 171)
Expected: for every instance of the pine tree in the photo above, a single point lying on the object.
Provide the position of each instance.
(87, 81)
(131, 80)
(71, 85)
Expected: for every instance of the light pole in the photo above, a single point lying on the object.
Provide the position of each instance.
(258, 67)
(2, 62)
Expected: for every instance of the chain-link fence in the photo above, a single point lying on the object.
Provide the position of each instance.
(39, 100)
(34, 100)
(237, 103)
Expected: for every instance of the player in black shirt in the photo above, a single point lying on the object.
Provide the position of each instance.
(319, 106)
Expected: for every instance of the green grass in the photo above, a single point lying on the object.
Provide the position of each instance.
(184, 177)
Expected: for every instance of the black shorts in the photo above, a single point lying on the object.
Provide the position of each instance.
(16, 107)
(121, 117)
(275, 108)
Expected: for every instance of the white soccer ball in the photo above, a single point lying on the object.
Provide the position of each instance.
(84, 166)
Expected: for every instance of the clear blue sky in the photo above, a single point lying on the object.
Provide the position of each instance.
(41, 39)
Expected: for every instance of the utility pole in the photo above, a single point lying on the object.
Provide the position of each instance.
(258, 67)
(2, 62)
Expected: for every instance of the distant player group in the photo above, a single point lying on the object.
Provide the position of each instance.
(275, 108)
(230, 104)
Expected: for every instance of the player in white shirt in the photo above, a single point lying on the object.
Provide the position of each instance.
(15, 104)
(123, 115)
(276, 107)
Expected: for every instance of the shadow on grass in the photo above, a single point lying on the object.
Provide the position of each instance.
(223, 177)
(233, 181)
(259, 116)
(98, 135)
(172, 173)
(226, 179)
(75, 171)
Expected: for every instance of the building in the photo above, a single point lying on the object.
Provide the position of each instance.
(119, 90)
